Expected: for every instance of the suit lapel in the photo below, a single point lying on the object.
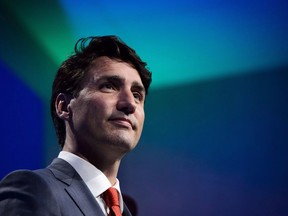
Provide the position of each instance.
(87, 203)
(126, 211)
(75, 188)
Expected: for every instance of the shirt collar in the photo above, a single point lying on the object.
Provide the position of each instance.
(95, 180)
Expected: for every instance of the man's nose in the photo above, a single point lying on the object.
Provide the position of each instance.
(126, 102)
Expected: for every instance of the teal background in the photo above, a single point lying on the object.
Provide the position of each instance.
(215, 137)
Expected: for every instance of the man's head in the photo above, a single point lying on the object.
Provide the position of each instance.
(72, 75)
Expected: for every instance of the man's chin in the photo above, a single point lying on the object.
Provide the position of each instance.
(121, 140)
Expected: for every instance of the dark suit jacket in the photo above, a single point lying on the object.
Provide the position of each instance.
(55, 190)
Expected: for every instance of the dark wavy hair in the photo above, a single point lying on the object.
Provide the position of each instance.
(72, 71)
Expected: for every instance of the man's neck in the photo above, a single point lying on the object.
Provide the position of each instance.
(108, 164)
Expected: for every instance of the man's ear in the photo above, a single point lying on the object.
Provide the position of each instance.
(62, 106)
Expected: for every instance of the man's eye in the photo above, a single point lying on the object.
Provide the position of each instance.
(108, 86)
(138, 96)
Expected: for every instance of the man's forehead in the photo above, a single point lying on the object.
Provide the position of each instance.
(103, 62)
(105, 67)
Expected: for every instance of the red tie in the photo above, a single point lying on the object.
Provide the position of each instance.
(111, 199)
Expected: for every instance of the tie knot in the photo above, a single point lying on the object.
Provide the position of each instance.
(111, 197)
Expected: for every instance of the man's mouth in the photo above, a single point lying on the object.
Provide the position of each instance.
(125, 122)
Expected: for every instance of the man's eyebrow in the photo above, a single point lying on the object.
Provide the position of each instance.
(120, 80)
(139, 87)
(110, 78)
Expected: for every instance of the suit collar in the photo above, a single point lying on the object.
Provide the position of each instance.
(89, 173)
(63, 171)
(75, 187)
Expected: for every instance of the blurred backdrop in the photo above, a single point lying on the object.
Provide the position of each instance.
(215, 141)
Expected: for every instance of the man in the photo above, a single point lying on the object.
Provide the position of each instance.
(97, 106)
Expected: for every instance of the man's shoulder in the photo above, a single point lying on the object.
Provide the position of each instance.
(22, 192)
(22, 175)
(58, 171)
(34, 181)
(35, 177)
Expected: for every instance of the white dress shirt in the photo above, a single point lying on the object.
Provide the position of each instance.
(95, 180)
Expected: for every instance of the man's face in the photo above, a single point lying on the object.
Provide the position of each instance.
(108, 113)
